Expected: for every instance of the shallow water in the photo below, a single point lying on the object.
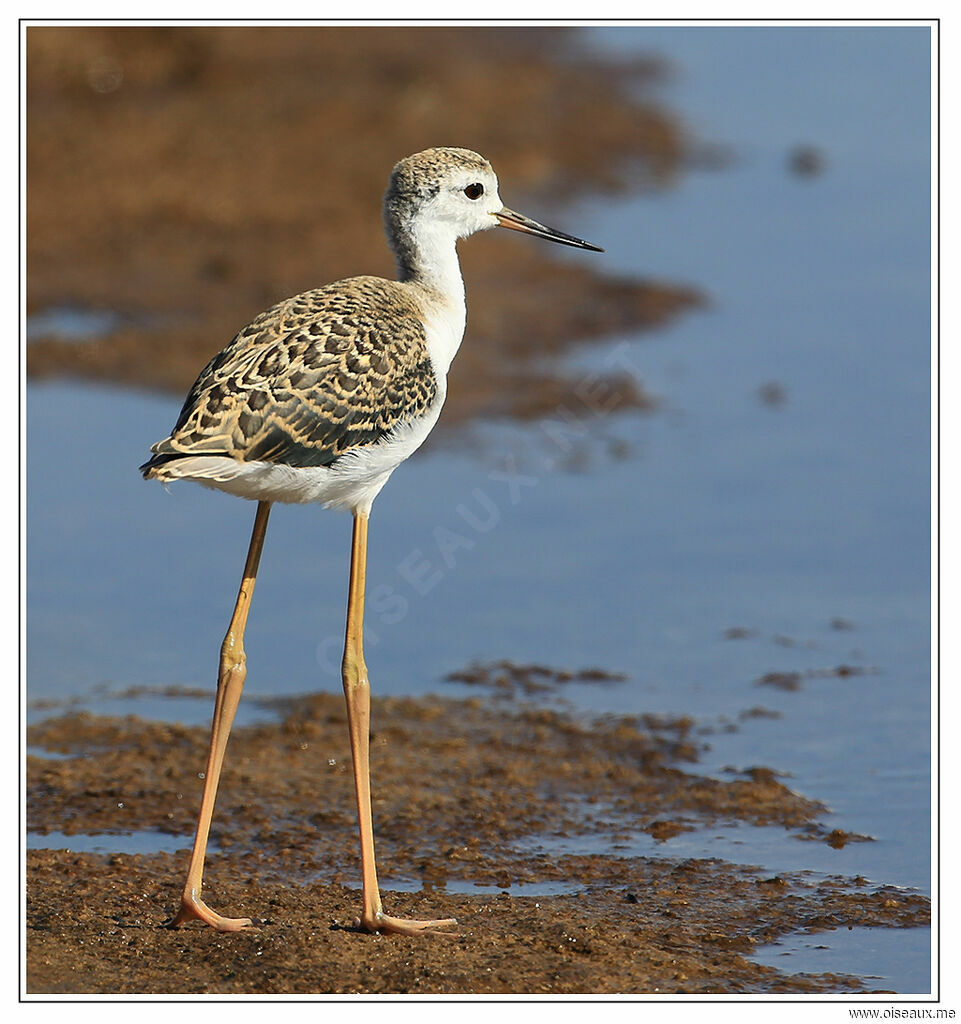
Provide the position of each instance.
(861, 951)
(802, 520)
(109, 842)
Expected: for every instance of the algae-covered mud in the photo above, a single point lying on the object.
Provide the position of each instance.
(474, 804)
(184, 179)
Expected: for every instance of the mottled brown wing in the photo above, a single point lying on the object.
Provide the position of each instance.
(314, 376)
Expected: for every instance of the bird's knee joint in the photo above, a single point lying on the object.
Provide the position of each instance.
(232, 662)
(354, 673)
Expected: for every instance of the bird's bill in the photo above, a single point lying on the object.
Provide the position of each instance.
(518, 222)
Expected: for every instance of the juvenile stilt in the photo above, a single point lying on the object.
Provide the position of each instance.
(319, 399)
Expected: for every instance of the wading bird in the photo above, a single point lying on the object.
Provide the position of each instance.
(320, 399)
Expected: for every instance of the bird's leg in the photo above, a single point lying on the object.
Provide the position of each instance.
(357, 692)
(230, 684)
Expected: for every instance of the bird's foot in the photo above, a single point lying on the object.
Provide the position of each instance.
(386, 925)
(192, 908)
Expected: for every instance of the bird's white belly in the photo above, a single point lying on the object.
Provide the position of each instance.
(350, 484)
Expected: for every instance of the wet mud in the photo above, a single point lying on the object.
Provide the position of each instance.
(183, 179)
(477, 808)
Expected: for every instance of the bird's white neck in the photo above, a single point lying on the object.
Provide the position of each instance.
(426, 252)
(427, 261)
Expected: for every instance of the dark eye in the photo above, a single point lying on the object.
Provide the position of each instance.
(474, 191)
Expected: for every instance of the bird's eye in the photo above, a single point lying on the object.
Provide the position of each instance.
(474, 191)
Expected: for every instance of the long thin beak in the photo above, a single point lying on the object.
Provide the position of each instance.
(517, 222)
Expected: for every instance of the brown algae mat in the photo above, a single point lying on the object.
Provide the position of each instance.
(473, 800)
(181, 180)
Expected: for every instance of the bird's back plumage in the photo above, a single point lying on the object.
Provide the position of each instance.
(308, 380)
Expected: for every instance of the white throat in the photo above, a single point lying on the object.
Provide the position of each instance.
(427, 261)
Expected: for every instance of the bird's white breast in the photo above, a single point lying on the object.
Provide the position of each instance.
(445, 326)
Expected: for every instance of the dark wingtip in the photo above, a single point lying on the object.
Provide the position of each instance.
(149, 468)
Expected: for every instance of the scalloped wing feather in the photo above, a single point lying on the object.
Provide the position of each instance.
(313, 377)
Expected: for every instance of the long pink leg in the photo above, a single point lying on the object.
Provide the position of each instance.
(230, 684)
(357, 692)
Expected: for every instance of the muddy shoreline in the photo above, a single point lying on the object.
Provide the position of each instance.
(474, 800)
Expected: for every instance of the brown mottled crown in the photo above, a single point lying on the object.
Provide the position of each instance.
(418, 176)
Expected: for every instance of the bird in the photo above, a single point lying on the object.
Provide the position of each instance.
(318, 400)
